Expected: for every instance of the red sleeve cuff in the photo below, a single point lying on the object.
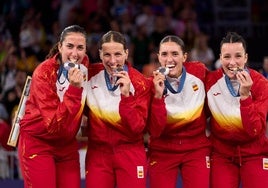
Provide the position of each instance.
(246, 102)
(127, 99)
(158, 101)
(75, 90)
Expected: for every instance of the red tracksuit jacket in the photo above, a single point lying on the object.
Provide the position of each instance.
(180, 118)
(114, 120)
(238, 127)
(53, 111)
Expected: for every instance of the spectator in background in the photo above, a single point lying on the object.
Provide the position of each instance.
(191, 28)
(141, 48)
(3, 112)
(202, 52)
(160, 31)
(11, 97)
(28, 60)
(238, 101)
(9, 69)
(264, 70)
(92, 52)
(146, 18)
(7, 48)
(177, 26)
(32, 33)
(126, 25)
(65, 12)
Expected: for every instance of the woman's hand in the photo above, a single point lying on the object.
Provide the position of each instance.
(159, 84)
(123, 82)
(75, 76)
(245, 84)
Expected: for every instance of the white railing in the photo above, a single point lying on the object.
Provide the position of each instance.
(9, 165)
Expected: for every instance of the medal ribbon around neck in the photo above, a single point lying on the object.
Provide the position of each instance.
(108, 82)
(230, 86)
(181, 83)
(63, 71)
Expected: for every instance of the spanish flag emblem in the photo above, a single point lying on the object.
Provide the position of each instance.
(194, 86)
(265, 163)
(140, 172)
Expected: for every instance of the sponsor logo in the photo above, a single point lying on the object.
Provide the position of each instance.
(61, 89)
(33, 156)
(217, 93)
(153, 163)
(94, 87)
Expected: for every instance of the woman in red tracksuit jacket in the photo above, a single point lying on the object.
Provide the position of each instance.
(118, 98)
(177, 122)
(48, 150)
(238, 100)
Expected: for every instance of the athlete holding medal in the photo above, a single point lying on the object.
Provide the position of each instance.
(177, 122)
(238, 101)
(48, 149)
(118, 99)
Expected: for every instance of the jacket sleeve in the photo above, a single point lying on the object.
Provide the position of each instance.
(157, 117)
(134, 109)
(254, 109)
(48, 116)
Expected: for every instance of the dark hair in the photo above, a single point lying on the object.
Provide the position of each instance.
(233, 37)
(173, 38)
(113, 36)
(64, 33)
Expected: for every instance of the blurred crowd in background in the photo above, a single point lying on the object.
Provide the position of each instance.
(28, 29)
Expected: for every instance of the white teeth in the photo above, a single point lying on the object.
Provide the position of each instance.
(170, 66)
(73, 60)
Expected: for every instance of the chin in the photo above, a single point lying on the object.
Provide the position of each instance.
(172, 75)
(231, 76)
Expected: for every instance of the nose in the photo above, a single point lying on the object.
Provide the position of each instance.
(74, 53)
(113, 59)
(233, 60)
(169, 57)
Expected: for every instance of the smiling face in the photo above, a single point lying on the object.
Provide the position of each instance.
(113, 56)
(172, 56)
(73, 47)
(233, 57)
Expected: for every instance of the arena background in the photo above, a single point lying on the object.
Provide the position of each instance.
(214, 17)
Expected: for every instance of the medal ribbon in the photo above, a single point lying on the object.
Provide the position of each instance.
(230, 86)
(181, 83)
(108, 81)
(63, 71)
